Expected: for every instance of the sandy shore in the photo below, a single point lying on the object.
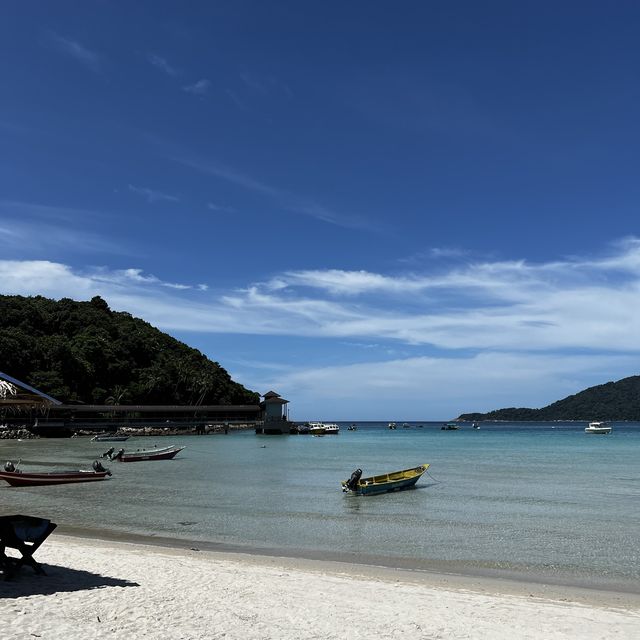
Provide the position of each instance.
(104, 589)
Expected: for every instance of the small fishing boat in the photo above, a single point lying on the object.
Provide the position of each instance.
(406, 425)
(352, 427)
(598, 428)
(395, 481)
(18, 478)
(392, 425)
(109, 437)
(475, 425)
(450, 426)
(166, 453)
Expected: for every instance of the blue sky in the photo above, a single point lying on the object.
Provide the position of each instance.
(380, 210)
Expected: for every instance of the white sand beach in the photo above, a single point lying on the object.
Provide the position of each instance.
(103, 589)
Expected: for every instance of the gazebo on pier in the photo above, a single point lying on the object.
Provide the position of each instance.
(275, 415)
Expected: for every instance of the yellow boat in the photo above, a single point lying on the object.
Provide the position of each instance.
(394, 481)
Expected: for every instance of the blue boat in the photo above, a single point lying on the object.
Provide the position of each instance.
(385, 483)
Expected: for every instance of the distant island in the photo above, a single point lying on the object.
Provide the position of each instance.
(610, 401)
(83, 352)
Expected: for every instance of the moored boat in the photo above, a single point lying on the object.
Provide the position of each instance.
(317, 428)
(392, 425)
(166, 453)
(18, 478)
(384, 483)
(331, 428)
(598, 428)
(450, 426)
(109, 437)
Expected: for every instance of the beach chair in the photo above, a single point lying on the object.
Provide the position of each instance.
(25, 534)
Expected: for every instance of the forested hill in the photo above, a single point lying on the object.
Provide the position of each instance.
(611, 401)
(84, 352)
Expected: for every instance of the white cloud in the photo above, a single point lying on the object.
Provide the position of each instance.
(505, 333)
(199, 88)
(440, 388)
(161, 63)
(152, 195)
(79, 52)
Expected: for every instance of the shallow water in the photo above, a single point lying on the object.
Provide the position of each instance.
(542, 500)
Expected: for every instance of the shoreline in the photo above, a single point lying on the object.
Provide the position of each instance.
(122, 589)
(464, 576)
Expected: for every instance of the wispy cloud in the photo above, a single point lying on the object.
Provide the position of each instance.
(285, 199)
(236, 99)
(504, 332)
(571, 304)
(152, 195)
(212, 206)
(90, 59)
(438, 388)
(31, 227)
(161, 63)
(199, 88)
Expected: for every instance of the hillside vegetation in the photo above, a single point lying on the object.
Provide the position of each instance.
(611, 401)
(84, 352)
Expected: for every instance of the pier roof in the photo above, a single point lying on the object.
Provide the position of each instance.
(16, 393)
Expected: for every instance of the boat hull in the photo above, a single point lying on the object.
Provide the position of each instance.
(140, 456)
(389, 482)
(20, 479)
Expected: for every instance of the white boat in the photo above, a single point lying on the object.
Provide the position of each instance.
(322, 428)
(598, 427)
(392, 425)
(317, 428)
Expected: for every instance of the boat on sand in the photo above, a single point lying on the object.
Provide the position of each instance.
(384, 483)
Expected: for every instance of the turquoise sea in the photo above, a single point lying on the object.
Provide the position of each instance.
(540, 501)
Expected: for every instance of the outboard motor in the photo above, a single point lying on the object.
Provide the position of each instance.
(107, 454)
(352, 482)
(118, 455)
(97, 466)
(9, 466)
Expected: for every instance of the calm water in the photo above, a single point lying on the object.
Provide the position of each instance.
(542, 500)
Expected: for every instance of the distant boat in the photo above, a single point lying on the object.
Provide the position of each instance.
(406, 425)
(392, 425)
(18, 478)
(385, 483)
(598, 427)
(352, 427)
(450, 426)
(108, 437)
(475, 425)
(321, 428)
(166, 453)
(317, 428)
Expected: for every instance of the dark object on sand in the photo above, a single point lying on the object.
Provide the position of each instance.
(25, 534)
